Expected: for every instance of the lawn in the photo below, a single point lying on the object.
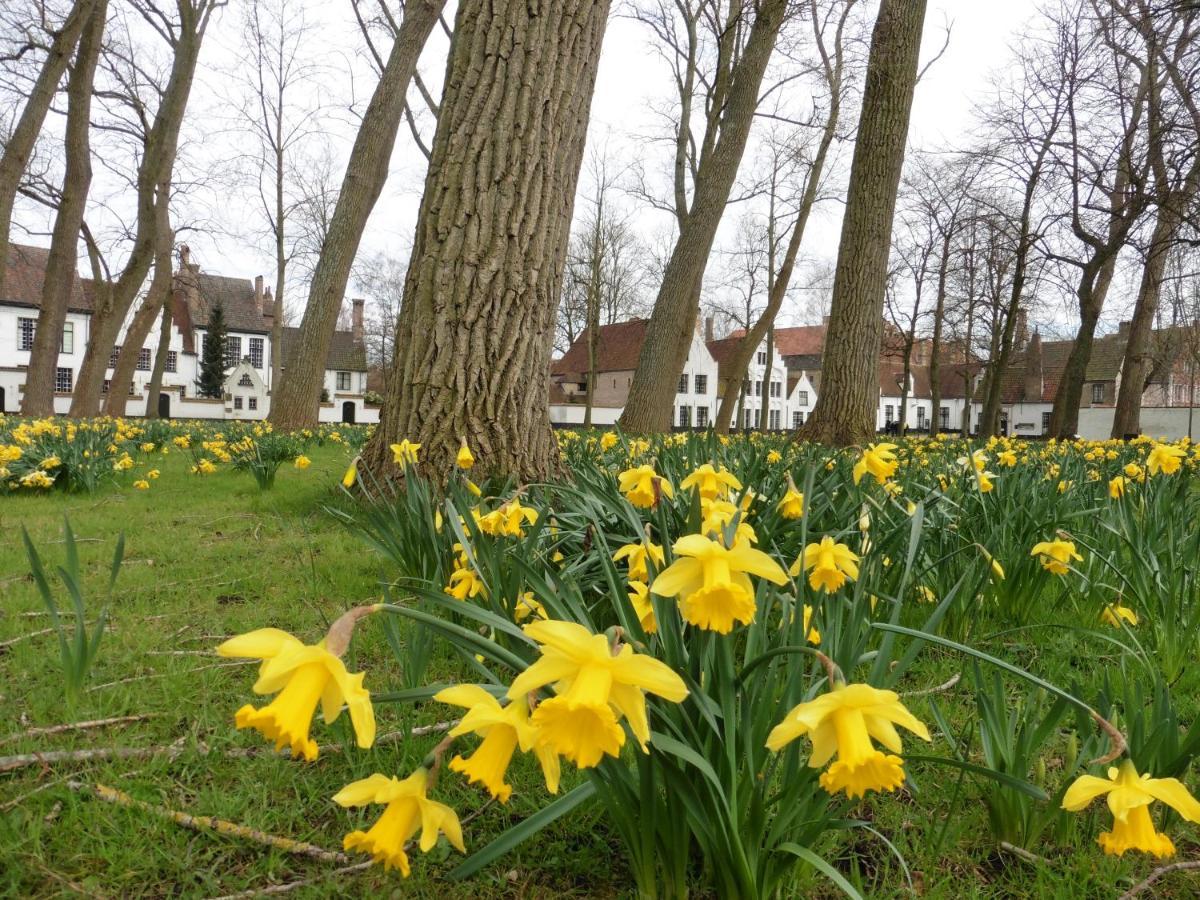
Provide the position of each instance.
(206, 558)
(210, 556)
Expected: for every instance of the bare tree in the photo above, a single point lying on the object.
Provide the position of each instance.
(845, 409)
(20, 141)
(295, 401)
(746, 40)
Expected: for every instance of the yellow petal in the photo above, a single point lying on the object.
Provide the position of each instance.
(261, 644)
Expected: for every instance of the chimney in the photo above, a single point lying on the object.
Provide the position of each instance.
(356, 319)
(1033, 369)
(708, 328)
(258, 297)
(1021, 330)
(1123, 328)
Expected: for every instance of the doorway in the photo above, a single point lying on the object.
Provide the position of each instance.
(348, 412)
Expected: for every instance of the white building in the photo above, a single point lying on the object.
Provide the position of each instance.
(762, 387)
(248, 312)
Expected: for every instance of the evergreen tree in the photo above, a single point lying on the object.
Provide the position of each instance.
(212, 359)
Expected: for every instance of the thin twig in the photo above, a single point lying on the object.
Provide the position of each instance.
(1157, 874)
(296, 885)
(4, 645)
(935, 690)
(76, 726)
(17, 801)
(208, 823)
(220, 665)
(1023, 853)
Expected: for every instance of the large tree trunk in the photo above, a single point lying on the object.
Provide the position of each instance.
(764, 411)
(153, 188)
(1138, 355)
(845, 410)
(154, 388)
(38, 399)
(673, 322)
(295, 401)
(157, 296)
(1094, 282)
(21, 141)
(476, 326)
(935, 343)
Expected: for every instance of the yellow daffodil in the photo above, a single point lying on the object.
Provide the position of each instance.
(405, 453)
(1133, 472)
(142, 484)
(528, 605)
(465, 459)
(879, 460)
(717, 515)
(1129, 799)
(302, 675)
(351, 475)
(828, 564)
(711, 483)
(637, 556)
(1006, 458)
(408, 811)
(1114, 614)
(303, 462)
(1165, 458)
(1117, 487)
(509, 519)
(843, 722)
(713, 583)
(503, 729)
(774, 456)
(594, 687)
(792, 504)
(608, 440)
(642, 486)
(639, 596)
(1056, 555)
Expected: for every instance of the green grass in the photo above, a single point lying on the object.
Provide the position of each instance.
(209, 557)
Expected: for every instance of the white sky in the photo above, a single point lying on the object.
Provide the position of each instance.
(630, 76)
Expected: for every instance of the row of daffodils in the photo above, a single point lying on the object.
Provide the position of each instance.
(745, 613)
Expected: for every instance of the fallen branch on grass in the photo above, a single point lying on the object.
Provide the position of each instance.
(171, 751)
(1157, 874)
(935, 690)
(208, 823)
(296, 885)
(75, 726)
(1022, 853)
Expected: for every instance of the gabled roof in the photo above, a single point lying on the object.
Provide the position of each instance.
(617, 349)
(345, 355)
(891, 381)
(25, 276)
(795, 340)
(236, 297)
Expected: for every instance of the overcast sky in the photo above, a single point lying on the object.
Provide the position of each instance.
(630, 78)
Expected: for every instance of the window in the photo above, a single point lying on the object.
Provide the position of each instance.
(343, 381)
(701, 384)
(1045, 422)
(246, 381)
(143, 362)
(749, 418)
(802, 396)
(758, 388)
(25, 333)
(104, 387)
(172, 364)
(64, 380)
(702, 416)
(614, 384)
(112, 357)
(889, 414)
(68, 338)
(685, 417)
(1098, 392)
(237, 402)
(233, 351)
(773, 419)
(945, 416)
(252, 402)
(776, 388)
(683, 384)
(256, 352)
(762, 357)
(797, 419)
(920, 417)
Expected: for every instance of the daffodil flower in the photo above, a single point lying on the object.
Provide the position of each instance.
(1056, 555)
(594, 686)
(843, 722)
(465, 459)
(713, 583)
(302, 676)
(638, 556)
(408, 811)
(879, 460)
(829, 565)
(1129, 799)
(1165, 458)
(642, 486)
(710, 482)
(1114, 614)
(405, 453)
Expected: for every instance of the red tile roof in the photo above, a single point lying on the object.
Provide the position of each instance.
(795, 340)
(617, 350)
(25, 274)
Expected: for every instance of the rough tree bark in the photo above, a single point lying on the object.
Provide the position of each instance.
(476, 326)
(154, 388)
(153, 187)
(935, 341)
(295, 400)
(20, 143)
(845, 410)
(38, 399)
(673, 322)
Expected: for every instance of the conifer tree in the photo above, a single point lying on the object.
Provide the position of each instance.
(212, 359)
